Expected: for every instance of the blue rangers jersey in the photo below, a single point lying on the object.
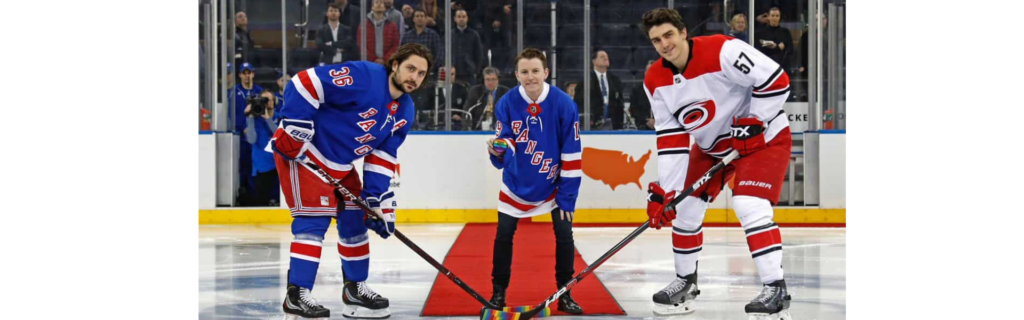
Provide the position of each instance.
(542, 165)
(353, 117)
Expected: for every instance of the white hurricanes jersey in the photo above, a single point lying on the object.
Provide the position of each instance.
(724, 78)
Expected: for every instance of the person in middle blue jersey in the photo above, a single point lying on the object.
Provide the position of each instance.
(539, 152)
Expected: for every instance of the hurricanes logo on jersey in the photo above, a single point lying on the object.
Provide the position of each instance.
(695, 115)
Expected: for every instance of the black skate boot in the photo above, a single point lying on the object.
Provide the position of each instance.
(298, 302)
(565, 304)
(772, 303)
(362, 303)
(677, 297)
(498, 297)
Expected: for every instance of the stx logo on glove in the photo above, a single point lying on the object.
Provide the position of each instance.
(740, 132)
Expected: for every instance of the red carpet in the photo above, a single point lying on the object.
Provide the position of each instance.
(533, 273)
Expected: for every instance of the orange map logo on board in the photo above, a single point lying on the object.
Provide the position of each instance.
(614, 168)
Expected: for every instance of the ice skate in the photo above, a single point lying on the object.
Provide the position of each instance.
(677, 297)
(362, 303)
(771, 304)
(299, 304)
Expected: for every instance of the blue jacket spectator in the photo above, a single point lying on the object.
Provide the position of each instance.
(261, 128)
(240, 91)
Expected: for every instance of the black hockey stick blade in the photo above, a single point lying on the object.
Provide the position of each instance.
(632, 235)
(370, 213)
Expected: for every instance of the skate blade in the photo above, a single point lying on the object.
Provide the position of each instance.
(288, 316)
(782, 315)
(357, 312)
(671, 310)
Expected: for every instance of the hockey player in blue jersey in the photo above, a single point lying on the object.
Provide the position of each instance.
(538, 129)
(335, 115)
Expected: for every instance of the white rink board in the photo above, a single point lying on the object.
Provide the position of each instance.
(207, 171)
(833, 172)
(452, 171)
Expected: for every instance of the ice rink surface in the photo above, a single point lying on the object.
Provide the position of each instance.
(243, 271)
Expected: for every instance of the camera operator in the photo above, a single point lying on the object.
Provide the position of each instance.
(261, 122)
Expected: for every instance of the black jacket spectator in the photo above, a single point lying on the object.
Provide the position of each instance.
(777, 35)
(459, 93)
(467, 53)
(494, 11)
(349, 16)
(476, 103)
(243, 45)
(615, 103)
(640, 107)
(328, 45)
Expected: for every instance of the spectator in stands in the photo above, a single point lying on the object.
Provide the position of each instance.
(607, 109)
(467, 49)
(458, 97)
(640, 106)
(407, 12)
(468, 5)
(394, 15)
(805, 47)
(498, 23)
(382, 39)
(334, 39)
(570, 87)
(483, 97)
(279, 95)
(738, 26)
(243, 42)
(264, 173)
(431, 15)
(348, 15)
(425, 36)
(241, 91)
(773, 40)
(800, 75)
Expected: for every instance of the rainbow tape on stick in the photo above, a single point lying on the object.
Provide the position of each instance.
(512, 313)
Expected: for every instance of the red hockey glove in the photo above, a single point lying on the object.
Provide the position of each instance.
(748, 135)
(291, 137)
(657, 199)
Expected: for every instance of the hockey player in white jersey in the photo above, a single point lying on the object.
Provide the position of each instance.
(727, 96)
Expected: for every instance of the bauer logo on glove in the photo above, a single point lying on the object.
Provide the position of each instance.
(291, 137)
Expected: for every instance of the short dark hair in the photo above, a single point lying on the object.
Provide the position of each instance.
(491, 70)
(593, 54)
(532, 53)
(660, 16)
(415, 10)
(333, 5)
(407, 50)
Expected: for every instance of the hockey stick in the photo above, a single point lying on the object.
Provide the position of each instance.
(374, 215)
(632, 235)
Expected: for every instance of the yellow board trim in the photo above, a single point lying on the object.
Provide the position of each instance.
(282, 216)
